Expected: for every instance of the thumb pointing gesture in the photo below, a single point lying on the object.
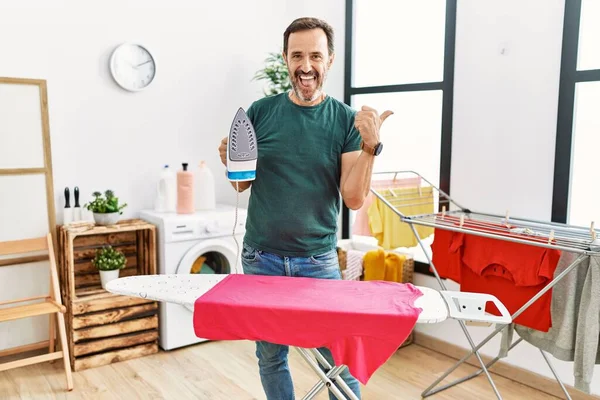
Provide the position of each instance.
(368, 122)
(384, 116)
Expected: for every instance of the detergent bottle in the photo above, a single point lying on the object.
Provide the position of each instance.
(166, 191)
(204, 188)
(185, 191)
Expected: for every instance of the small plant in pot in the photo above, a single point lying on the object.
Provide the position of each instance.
(109, 262)
(107, 209)
(276, 74)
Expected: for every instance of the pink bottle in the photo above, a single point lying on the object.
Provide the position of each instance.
(185, 191)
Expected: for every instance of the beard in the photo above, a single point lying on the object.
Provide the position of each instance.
(310, 93)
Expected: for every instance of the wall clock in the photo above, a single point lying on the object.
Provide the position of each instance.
(132, 66)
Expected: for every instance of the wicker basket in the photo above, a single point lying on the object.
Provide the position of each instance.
(342, 258)
(407, 277)
(408, 267)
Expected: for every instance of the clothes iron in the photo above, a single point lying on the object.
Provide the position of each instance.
(242, 151)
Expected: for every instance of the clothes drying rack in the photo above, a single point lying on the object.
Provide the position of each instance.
(451, 216)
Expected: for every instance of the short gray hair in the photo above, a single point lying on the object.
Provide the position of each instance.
(307, 23)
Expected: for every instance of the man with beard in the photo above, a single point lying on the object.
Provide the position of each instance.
(311, 148)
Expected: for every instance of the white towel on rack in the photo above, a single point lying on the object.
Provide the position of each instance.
(354, 265)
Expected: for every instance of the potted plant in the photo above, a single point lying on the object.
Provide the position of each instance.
(109, 261)
(276, 74)
(106, 209)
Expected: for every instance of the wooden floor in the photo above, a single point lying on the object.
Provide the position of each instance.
(228, 371)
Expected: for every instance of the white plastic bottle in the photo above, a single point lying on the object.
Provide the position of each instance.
(166, 191)
(205, 188)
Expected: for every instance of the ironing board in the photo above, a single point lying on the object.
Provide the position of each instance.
(186, 289)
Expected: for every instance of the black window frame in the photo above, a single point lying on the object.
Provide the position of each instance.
(447, 86)
(569, 77)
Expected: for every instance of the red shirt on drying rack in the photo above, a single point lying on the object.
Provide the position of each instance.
(513, 272)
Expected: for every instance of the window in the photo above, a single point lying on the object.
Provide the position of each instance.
(400, 56)
(412, 141)
(398, 42)
(578, 119)
(588, 57)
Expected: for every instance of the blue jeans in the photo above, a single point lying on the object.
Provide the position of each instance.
(273, 358)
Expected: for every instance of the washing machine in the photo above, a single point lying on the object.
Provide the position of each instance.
(202, 243)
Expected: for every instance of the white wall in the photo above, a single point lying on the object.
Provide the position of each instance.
(103, 137)
(504, 129)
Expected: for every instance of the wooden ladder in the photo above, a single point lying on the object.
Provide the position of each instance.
(51, 304)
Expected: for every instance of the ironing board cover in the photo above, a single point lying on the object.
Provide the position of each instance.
(184, 289)
(362, 323)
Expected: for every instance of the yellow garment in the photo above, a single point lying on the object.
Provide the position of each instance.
(379, 265)
(394, 264)
(197, 266)
(387, 227)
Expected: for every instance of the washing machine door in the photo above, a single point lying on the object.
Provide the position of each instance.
(212, 256)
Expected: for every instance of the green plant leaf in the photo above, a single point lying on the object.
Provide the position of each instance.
(275, 73)
(108, 204)
(108, 259)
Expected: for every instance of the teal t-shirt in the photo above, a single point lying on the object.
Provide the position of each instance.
(295, 200)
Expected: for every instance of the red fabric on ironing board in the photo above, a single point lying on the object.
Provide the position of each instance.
(362, 323)
(513, 272)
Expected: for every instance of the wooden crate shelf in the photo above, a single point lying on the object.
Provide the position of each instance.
(102, 327)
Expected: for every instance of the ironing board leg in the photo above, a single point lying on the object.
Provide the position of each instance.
(327, 379)
(338, 379)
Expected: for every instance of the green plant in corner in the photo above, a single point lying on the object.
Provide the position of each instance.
(107, 204)
(109, 259)
(276, 74)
